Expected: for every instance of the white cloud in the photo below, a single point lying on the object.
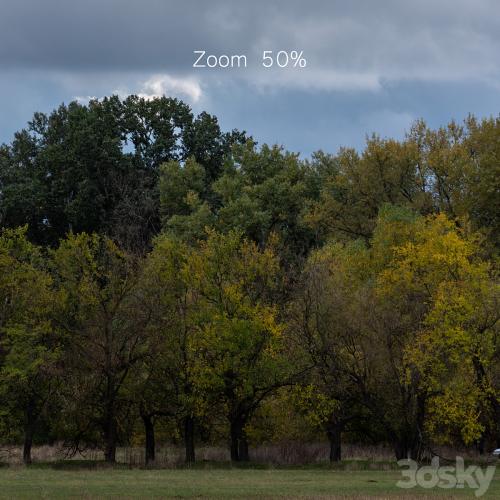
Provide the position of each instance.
(124, 84)
(163, 84)
(84, 99)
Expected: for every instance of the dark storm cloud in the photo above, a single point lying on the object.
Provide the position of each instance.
(112, 34)
(91, 34)
(373, 65)
(349, 43)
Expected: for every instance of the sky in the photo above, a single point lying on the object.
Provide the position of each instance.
(372, 66)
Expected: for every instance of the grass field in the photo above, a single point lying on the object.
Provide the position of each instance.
(20, 482)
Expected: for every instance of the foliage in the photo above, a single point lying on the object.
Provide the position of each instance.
(157, 273)
(30, 345)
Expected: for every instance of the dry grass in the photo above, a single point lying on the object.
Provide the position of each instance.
(286, 453)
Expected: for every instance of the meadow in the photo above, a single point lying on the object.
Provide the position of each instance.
(293, 470)
(41, 482)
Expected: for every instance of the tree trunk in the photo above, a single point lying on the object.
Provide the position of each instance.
(110, 450)
(480, 445)
(110, 431)
(243, 448)
(149, 432)
(235, 432)
(239, 443)
(29, 431)
(189, 439)
(496, 425)
(334, 433)
(28, 441)
(413, 450)
(408, 443)
(400, 450)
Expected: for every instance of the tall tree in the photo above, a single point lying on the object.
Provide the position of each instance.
(239, 344)
(95, 167)
(30, 346)
(455, 352)
(326, 339)
(167, 381)
(103, 315)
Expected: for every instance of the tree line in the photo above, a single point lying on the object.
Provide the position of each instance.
(162, 279)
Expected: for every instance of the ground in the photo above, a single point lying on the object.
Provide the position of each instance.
(21, 482)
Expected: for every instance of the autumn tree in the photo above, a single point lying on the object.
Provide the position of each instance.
(455, 353)
(449, 170)
(30, 345)
(166, 380)
(420, 263)
(239, 348)
(103, 316)
(326, 340)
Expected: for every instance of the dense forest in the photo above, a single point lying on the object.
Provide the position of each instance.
(161, 279)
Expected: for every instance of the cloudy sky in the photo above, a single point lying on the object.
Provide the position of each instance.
(372, 66)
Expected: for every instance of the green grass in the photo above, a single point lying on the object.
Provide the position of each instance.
(49, 483)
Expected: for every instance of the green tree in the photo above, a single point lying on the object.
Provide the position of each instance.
(264, 193)
(185, 213)
(105, 320)
(167, 381)
(239, 345)
(95, 167)
(326, 337)
(30, 346)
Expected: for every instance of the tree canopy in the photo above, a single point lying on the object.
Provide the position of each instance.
(160, 277)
